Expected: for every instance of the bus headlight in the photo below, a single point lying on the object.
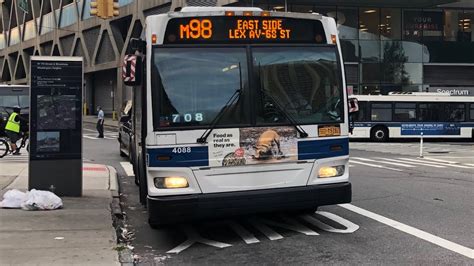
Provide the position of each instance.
(331, 171)
(171, 182)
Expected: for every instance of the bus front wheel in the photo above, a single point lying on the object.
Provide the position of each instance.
(379, 134)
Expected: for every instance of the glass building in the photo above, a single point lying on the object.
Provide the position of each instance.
(422, 45)
(388, 45)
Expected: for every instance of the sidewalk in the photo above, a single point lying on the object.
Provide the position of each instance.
(92, 119)
(81, 233)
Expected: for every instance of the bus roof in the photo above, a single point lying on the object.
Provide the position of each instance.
(217, 9)
(418, 97)
(14, 89)
(13, 86)
(238, 11)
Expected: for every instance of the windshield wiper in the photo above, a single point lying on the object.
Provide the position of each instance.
(293, 122)
(233, 99)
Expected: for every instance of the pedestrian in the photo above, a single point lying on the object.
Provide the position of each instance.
(100, 122)
(12, 129)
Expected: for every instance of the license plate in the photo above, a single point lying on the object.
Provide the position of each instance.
(328, 131)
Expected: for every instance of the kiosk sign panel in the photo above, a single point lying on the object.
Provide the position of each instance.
(56, 125)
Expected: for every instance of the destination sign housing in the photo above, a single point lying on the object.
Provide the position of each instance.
(243, 29)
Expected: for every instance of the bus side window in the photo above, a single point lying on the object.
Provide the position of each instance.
(455, 112)
(381, 112)
(429, 112)
(405, 112)
(471, 112)
(361, 116)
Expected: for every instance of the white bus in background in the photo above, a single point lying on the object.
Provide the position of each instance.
(240, 111)
(407, 115)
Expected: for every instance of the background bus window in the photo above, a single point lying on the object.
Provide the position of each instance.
(429, 112)
(405, 112)
(381, 112)
(361, 116)
(455, 112)
(471, 112)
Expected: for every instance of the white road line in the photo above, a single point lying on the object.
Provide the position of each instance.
(424, 164)
(89, 137)
(248, 237)
(391, 163)
(374, 165)
(438, 160)
(128, 168)
(462, 250)
(470, 164)
(443, 164)
(267, 231)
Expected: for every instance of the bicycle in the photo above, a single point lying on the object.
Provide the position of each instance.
(5, 144)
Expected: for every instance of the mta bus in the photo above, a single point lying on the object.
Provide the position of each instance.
(410, 114)
(10, 96)
(238, 111)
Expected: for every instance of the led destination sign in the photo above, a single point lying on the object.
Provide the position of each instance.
(231, 29)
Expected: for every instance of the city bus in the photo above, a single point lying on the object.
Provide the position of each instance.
(10, 96)
(238, 111)
(410, 114)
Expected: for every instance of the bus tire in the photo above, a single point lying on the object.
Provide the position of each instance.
(142, 183)
(379, 134)
(155, 226)
(133, 161)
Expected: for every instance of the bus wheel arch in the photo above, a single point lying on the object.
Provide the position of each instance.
(379, 133)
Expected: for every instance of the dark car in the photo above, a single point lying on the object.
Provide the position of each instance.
(125, 131)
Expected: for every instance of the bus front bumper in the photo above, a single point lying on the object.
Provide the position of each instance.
(175, 209)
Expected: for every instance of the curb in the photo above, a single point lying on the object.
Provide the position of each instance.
(125, 255)
(114, 191)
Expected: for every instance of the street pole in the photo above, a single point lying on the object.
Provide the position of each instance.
(113, 101)
(421, 144)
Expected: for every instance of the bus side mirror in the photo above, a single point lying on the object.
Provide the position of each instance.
(137, 45)
(132, 70)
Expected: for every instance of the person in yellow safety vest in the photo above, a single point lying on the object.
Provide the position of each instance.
(12, 129)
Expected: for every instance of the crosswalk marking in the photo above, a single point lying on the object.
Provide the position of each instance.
(381, 162)
(376, 166)
(415, 163)
(391, 163)
(438, 160)
(107, 135)
(22, 158)
(437, 163)
(128, 168)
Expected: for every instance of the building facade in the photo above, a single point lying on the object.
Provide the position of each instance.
(389, 45)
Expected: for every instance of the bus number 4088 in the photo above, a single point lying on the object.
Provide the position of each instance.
(182, 150)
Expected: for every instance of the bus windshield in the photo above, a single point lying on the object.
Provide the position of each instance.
(301, 81)
(190, 86)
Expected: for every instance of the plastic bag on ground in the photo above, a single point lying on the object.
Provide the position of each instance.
(13, 199)
(41, 200)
